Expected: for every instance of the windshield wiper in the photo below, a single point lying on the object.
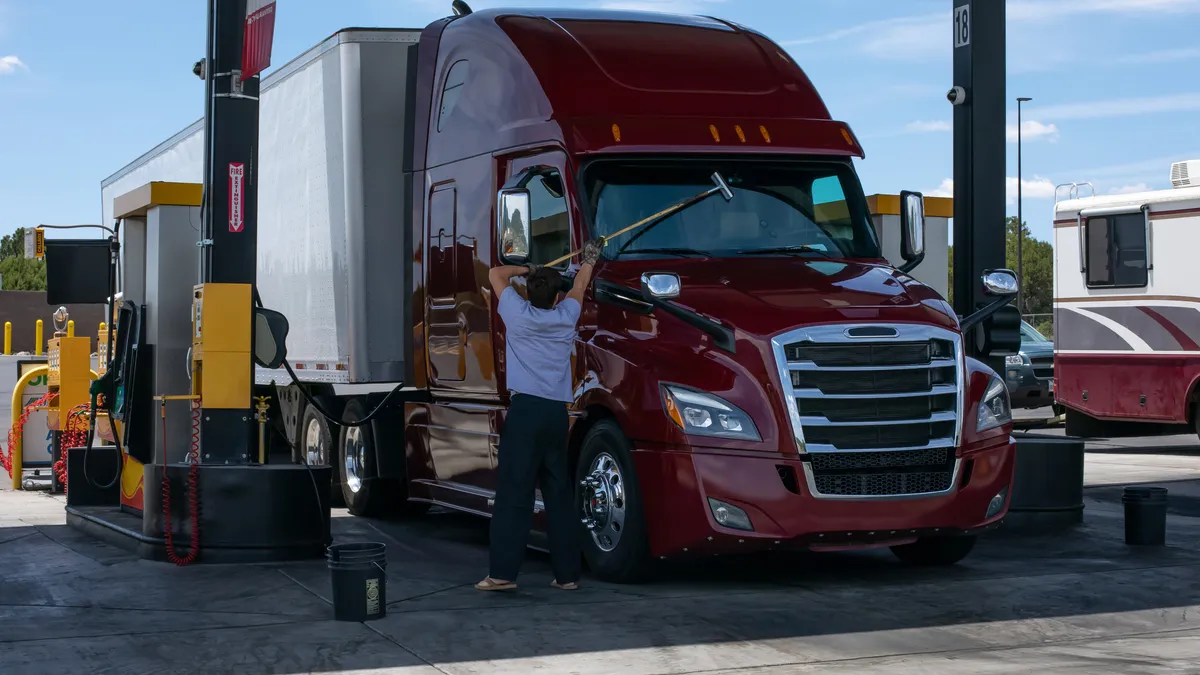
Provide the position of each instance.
(679, 251)
(798, 248)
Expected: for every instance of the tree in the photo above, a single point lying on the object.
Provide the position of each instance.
(18, 272)
(1037, 290)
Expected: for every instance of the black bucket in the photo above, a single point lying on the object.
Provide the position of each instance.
(1145, 516)
(359, 575)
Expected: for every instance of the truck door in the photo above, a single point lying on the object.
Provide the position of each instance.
(445, 329)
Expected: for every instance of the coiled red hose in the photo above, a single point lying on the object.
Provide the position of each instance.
(193, 458)
(74, 436)
(14, 434)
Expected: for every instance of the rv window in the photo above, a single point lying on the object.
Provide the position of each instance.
(549, 226)
(1116, 250)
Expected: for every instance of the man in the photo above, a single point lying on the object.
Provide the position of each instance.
(539, 338)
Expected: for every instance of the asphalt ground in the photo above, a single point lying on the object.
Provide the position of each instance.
(1080, 601)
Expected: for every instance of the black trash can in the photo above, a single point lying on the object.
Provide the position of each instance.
(359, 575)
(1145, 516)
(1047, 490)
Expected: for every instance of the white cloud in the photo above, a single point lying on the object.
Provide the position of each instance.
(899, 38)
(920, 127)
(1042, 10)
(922, 36)
(10, 64)
(1162, 56)
(1038, 188)
(1032, 131)
(1130, 189)
(1121, 107)
(946, 189)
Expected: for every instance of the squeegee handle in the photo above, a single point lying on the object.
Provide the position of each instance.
(661, 214)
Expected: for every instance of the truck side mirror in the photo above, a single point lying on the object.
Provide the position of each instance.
(270, 338)
(1000, 283)
(512, 222)
(912, 229)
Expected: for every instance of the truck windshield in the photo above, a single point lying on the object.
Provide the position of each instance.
(807, 209)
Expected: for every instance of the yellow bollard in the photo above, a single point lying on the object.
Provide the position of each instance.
(103, 326)
(18, 408)
(71, 328)
(37, 339)
(7, 338)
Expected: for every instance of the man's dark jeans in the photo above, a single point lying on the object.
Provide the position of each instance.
(533, 448)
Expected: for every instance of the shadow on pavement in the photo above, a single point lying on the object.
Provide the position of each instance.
(68, 604)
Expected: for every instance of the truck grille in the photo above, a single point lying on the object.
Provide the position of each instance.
(876, 417)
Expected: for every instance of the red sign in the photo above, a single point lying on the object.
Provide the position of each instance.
(237, 196)
(259, 34)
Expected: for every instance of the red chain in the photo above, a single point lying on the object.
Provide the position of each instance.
(14, 434)
(193, 458)
(74, 436)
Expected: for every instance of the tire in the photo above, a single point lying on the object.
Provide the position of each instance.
(935, 551)
(1081, 425)
(314, 442)
(1059, 409)
(605, 455)
(364, 493)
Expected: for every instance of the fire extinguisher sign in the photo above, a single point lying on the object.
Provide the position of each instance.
(258, 36)
(237, 196)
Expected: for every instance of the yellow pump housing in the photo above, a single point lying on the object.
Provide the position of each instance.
(221, 365)
(70, 376)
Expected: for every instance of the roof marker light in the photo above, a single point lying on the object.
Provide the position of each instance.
(741, 135)
(763, 130)
(616, 133)
(712, 129)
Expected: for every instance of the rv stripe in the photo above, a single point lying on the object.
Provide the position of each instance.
(1181, 337)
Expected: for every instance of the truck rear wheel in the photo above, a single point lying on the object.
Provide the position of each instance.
(609, 501)
(364, 492)
(316, 447)
(935, 551)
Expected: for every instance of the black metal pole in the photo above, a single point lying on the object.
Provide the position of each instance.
(1020, 218)
(979, 157)
(229, 247)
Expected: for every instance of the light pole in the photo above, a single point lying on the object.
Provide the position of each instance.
(1020, 222)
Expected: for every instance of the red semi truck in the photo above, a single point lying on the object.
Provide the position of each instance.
(750, 373)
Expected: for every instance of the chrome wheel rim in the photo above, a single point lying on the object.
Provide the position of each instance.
(315, 453)
(604, 502)
(355, 455)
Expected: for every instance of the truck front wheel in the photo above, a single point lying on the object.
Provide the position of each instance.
(609, 502)
(935, 551)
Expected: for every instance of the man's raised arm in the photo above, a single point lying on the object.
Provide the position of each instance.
(589, 256)
(500, 276)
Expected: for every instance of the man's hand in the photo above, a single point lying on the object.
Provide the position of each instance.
(499, 276)
(591, 251)
(531, 268)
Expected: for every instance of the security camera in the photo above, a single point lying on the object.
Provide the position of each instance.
(957, 95)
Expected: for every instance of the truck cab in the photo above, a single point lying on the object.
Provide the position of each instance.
(750, 373)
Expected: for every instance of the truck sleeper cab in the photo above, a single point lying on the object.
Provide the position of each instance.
(782, 387)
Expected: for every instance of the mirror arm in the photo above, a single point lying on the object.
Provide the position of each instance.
(981, 314)
(722, 337)
(910, 265)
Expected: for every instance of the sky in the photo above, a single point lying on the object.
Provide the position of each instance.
(86, 87)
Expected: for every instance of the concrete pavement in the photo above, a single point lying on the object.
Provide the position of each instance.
(1075, 602)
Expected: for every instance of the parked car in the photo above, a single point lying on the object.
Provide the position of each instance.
(1030, 373)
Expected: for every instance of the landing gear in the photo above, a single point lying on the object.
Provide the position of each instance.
(935, 551)
(610, 506)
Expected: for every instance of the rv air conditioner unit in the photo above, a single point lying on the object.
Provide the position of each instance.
(1185, 174)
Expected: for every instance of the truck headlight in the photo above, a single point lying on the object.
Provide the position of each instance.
(1014, 360)
(994, 409)
(701, 414)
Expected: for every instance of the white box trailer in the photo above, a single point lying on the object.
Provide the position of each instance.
(334, 254)
(1126, 306)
